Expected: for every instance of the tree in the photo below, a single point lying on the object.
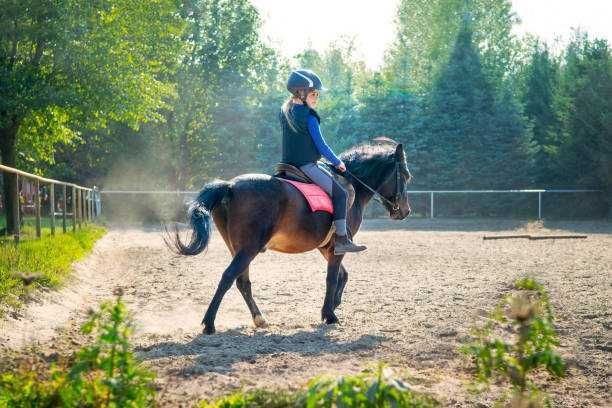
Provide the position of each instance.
(226, 77)
(541, 80)
(426, 31)
(584, 104)
(72, 65)
(468, 138)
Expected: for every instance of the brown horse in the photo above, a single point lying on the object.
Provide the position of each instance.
(255, 212)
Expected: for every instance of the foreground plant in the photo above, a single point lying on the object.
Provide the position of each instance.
(527, 315)
(104, 373)
(362, 391)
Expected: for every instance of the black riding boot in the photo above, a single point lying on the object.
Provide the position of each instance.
(343, 245)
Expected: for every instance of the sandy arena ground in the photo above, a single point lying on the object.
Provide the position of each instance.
(410, 301)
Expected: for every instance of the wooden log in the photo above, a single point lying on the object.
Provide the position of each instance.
(533, 237)
(491, 237)
(558, 237)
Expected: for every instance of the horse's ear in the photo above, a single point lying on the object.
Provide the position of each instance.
(399, 151)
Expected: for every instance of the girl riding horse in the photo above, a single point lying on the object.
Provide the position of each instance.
(303, 146)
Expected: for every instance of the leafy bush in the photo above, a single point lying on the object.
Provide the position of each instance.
(528, 316)
(365, 391)
(258, 398)
(361, 391)
(104, 373)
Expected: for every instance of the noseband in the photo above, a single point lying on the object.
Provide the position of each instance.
(396, 195)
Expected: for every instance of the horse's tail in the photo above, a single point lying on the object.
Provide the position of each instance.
(199, 218)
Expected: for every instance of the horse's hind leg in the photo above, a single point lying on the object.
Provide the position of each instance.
(239, 264)
(244, 286)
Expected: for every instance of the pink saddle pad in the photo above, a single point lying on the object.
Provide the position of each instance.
(317, 198)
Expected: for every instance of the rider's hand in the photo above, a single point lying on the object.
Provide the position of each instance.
(341, 167)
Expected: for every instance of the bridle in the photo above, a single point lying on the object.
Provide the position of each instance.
(396, 196)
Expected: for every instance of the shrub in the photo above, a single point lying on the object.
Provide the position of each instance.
(360, 391)
(104, 373)
(528, 316)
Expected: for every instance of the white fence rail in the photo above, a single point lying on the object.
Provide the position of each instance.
(538, 192)
(431, 193)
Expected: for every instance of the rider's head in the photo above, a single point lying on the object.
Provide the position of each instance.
(305, 86)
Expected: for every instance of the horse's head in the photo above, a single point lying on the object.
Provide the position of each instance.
(382, 166)
(394, 187)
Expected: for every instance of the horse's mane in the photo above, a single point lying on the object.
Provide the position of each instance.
(370, 161)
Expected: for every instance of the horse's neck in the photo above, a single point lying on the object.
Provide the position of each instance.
(362, 198)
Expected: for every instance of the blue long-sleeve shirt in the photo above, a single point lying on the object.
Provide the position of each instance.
(317, 138)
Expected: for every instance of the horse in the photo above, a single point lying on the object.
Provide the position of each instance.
(255, 212)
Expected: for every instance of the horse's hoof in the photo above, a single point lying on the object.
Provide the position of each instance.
(331, 319)
(209, 330)
(260, 321)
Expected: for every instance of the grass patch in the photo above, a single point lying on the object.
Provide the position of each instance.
(28, 227)
(47, 260)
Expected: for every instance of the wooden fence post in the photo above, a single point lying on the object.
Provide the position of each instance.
(84, 206)
(78, 206)
(64, 208)
(37, 207)
(52, 206)
(18, 215)
(91, 205)
(74, 214)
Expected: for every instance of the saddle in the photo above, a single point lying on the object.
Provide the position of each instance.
(317, 198)
(286, 171)
(292, 174)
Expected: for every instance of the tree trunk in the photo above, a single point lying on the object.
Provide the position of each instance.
(8, 146)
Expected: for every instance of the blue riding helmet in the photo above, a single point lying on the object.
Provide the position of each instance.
(304, 80)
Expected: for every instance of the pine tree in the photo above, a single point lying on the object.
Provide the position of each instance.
(468, 138)
(585, 106)
(541, 81)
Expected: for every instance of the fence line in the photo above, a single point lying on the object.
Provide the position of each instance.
(431, 194)
(528, 191)
(84, 201)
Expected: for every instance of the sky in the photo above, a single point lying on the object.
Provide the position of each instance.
(289, 25)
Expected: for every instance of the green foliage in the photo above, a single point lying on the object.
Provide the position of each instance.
(258, 399)
(426, 32)
(49, 259)
(584, 103)
(69, 65)
(104, 373)
(540, 80)
(468, 134)
(382, 390)
(529, 316)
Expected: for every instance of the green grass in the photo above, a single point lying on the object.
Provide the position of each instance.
(28, 227)
(49, 258)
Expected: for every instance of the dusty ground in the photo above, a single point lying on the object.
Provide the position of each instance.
(410, 301)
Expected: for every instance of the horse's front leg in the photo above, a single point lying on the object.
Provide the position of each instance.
(333, 272)
(342, 279)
